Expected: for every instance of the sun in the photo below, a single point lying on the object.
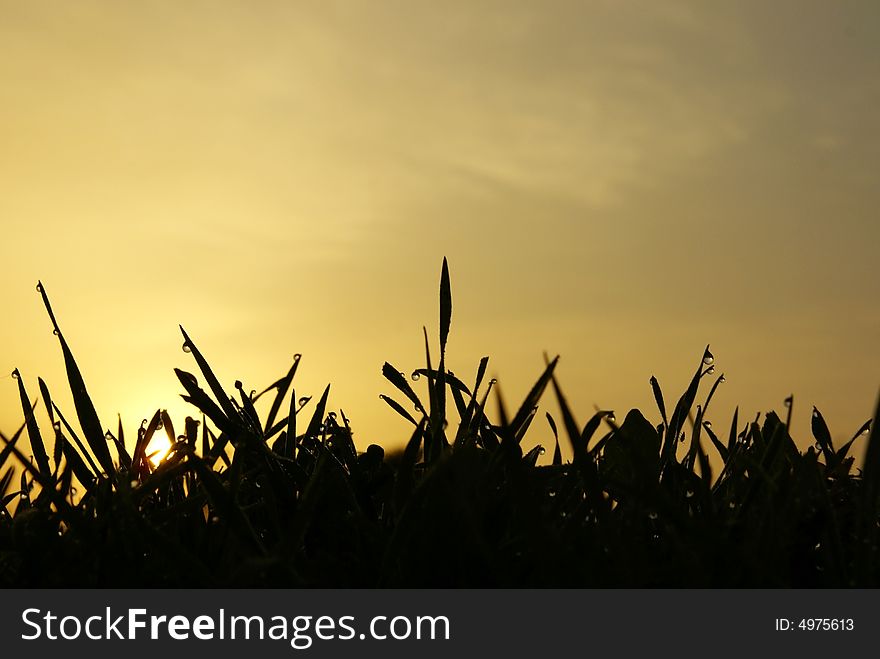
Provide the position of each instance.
(158, 448)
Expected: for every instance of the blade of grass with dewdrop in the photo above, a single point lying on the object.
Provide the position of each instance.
(721, 448)
(396, 378)
(213, 383)
(397, 407)
(531, 458)
(844, 450)
(33, 429)
(282, 385)
(124, 457)
(658, 397)
(314, 427)
(139, 459)
(481, 373)
(454, 383)
(682, 409)
(530, 404)
(197, 397)
(85, 409)
(823, 437)
(249, 412)
(288, 446)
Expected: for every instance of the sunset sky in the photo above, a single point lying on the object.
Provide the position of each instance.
(620, 183)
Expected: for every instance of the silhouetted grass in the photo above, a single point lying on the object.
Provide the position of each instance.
(289, 501)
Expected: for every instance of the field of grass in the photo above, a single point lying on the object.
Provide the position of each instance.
(287, 500)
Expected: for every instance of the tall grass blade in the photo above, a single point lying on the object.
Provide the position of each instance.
(314, 427)
(658, 396)
(530, 404)
(445, 307)
(213, 383)
(396, 378)
(33, 429)
(282, 385)
(85, 409)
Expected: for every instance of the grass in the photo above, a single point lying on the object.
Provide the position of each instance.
(288, 500)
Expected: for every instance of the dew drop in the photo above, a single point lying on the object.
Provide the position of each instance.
(689, 494)
(815, 413)
(610, 417)
(542, 451)
(57, 425)
(39, 287)
(707, 424)
(415, 375)
(866, 430)
(133, 484)
(186, 347)
(418, 408)
(493, 381)
(215, 520)
(305, 399)
(551, 493)
(382, 396)
(15, 374)
(731, 505)
(708, 358)
(652, 515)
(108, 436)
(535, 409)
(297, 357)
(722, 379)
(56, 332)
(238, 384)
(332, 415)
(710, 370)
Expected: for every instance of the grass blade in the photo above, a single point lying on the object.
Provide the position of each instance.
(85, 409)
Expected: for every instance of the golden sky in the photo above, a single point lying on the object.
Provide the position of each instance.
(617, 182)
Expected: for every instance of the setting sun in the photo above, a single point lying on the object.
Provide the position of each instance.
(157, 449)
